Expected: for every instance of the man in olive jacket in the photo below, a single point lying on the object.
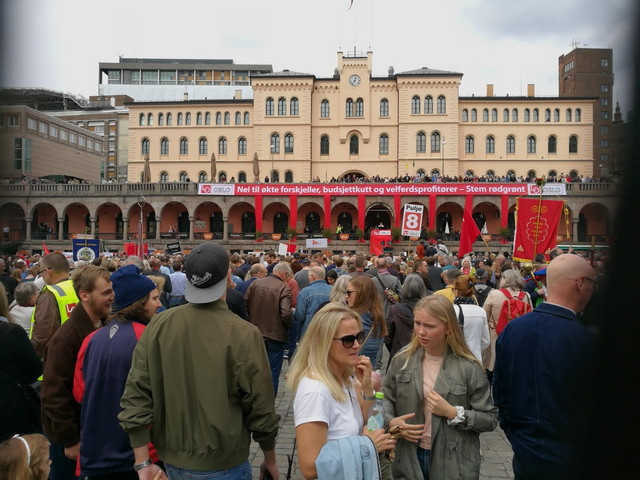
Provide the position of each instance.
(199, 385)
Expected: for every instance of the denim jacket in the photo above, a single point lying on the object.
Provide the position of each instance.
(349, 458)
(309, 299)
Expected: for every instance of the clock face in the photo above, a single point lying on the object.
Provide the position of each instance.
(354, 80)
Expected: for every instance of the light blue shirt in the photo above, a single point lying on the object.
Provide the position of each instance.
(178, 283)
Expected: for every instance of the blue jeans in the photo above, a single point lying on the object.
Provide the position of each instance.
(424, 456)
(275, 352)
(294, 335)
(176, 300)
(62, 468)
(239, 472)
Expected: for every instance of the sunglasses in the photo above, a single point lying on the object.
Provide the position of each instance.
(349, 292)
(349, 340)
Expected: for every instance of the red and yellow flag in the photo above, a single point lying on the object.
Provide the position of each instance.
(536, 227)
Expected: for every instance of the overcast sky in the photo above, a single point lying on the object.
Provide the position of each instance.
(58, 44)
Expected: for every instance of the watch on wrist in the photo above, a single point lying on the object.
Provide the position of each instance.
(139, 466)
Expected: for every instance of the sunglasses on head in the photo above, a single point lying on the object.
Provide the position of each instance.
(349, 340)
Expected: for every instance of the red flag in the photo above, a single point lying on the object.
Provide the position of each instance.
(468, 233)
(45, 249)
(292, 247)
(536, 227)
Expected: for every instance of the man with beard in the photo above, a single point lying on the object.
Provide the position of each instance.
(101, 371)
(60, 412)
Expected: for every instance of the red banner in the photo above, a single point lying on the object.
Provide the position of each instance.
(378, 239)
(536, 227)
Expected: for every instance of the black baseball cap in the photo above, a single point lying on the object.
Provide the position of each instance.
(206, 268)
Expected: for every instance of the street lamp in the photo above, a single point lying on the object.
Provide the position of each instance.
(444, 142)
(272, 175)
(141, 202)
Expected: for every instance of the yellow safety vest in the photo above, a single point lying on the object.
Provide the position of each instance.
(66, 299)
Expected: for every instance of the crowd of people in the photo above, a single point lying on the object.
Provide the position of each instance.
(183, 355)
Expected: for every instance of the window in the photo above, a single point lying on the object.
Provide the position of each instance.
(604, 129)
(568, 115)
(22, 154)
(198, 118)
(275, 143)
(547, 115)
(354, 145)
(227, 118)
(383, 147)
(242, 177)
(527, 115)
(222, 146)
(442, 104)
(604, 102)
(536, 115)
(505, 115)
(556, 115)
(349, 108)
(203, 146)
(202, 177)
(184, 146)
(169, 119)
(294, 108)
(421, 142)
(324, 145)
(604, 143)
(384, 107)
(268, 107)
(150, 120)
(187, 119)
(64, 134)
(14, 121)
(218, 118)
(207, 118)
(474, 115)
(180, 119)
(288, 176)
(485, 115)
(428, 104)
(324, 109)
(514, 115)
(415, 105)
(164, 146)
(494, 114)
(359, 108)
(604, 157)
(552, 145)
(242, 146)
(511, 144)
(604, 115)
(183, 176)
(573, 144)
(73, 137)
(246, 118)
(282, 106)
(435, 142)
(141, 120)
(469, 146)
(604, 88)
(53, 131)
(604, 62)
(238, 118)
(465, 115)
(531, 144)
(42, 127)
(288, 143)
(161, 119)
(164, 177)
(145, 146)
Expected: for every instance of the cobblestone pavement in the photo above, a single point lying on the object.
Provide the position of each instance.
(496, 451)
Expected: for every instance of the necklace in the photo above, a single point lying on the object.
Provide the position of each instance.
(433, 363)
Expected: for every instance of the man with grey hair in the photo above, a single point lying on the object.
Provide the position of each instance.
(309, 299)
(269, 306)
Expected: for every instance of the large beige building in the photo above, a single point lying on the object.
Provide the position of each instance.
(301, 128)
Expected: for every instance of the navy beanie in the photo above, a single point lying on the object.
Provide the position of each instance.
(129, 286)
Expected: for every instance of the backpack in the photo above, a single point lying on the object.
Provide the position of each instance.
(481, 294)
(512, 308)
(390, 294)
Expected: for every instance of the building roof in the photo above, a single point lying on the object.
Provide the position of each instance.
(523, 98)
(283, 74)
(426, 71)
(43, 99)
(181, 63)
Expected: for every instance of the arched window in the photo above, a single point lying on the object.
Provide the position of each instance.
(222, 146)
(384, 144)
(474, 115)
(349, 108)
(164, 146)
(485, 115)
(421, 142)
(184, 146)
(275, 143)
(282, 106)
(578, 115)
(552, 144)
(354, 145)
(222, 176)
(161, 119)
(218, 118)
(142, 120)
(324, 109)
(536, 115)
(294, 107)
(573, 144)
(246, 118)
(324, 145)
(420, 172)
(494, 114)
(275, 176)
(164, 177)
(568, 114)
(556, 115)
(514, 115)
(511, 144)
(359, 107)
(465, 115)
(505, 115)
(268, 107)
(415, 105)
(145, 146)
(428, 104)
(187, 119)
(207, 118)
(527, 115)
(183, 176)
(469, 144)
(384, 107)
(199, 118)
(169, 119)
(202, 177)
(242, 146)
(238, 118)
(442, 104)
(531, 144)
(547, 115)
(242, 177)
(203, 146)
(288, 143)
(227, 118)
(150, 119)
(180, 118)
(531, 174)
(491, 144)
(288, 176)
(435, 141)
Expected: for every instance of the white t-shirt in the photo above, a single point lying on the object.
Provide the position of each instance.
(476, 329)
(314, 403)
